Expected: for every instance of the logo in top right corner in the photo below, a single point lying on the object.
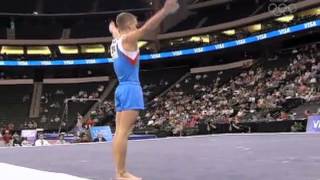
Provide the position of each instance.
(282, 7)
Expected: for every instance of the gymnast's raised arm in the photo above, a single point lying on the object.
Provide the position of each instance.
(152, 24)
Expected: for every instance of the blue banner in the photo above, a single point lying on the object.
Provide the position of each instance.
(105, 131)
(171, 54)
(313, 125)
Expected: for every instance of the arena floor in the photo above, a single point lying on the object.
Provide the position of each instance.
(219, 157)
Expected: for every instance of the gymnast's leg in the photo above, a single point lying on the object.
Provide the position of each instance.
(124, 124)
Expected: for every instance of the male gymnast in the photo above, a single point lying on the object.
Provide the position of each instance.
(128, 95)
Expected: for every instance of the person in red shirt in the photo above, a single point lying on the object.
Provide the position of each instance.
(7, 137)
(90, 123)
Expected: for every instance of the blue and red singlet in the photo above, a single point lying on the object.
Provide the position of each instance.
(128, 95)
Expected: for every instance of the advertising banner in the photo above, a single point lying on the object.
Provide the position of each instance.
(30, 134)
(313, 125)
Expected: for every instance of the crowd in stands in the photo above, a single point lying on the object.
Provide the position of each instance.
(104, 114)
(254, 90)
(52, 110)
(11, 138)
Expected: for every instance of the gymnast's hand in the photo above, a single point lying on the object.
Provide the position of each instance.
(171, 6)
(112, 27)
(113, 30)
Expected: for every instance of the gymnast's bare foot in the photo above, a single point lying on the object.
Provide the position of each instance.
(127, 176)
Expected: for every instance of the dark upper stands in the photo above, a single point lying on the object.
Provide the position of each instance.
(15, 103)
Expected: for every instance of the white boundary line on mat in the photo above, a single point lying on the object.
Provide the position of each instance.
(9, 171)
(228, 135)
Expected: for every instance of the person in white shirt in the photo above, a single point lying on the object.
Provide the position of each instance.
(41, 141)
(1, 140)
(61, 140)
(25, 142)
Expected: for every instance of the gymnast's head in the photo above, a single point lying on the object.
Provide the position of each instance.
(126, 22)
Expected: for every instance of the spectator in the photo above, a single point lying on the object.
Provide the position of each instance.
(307, 113)
(16, 140)
(7, 137)
(41, 141)
(84, 138)
(89, 123)
(30, 125)
(61, 139)
(99, 138)
(283, 116)
(210, 127)
(25, 142)
(43, 119)
(35, 124)
(57, 119)
(11, 128)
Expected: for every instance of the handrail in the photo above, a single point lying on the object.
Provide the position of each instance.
(74, 14)
(76, 80)
(207, 3)
(4, 82)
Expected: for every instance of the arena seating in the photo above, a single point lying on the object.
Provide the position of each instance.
(266, 91)
(156, 81)
(260, 92)
(53, 102)
(15, 103)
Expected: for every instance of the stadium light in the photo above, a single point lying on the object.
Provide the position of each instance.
(311, 12)
(39, 50)
(255, 28)
(142, 43)
(14, 50)
(68, 49)
(230, 32)
(285, 19)
(93, 48)
(205, 39)
(315, 11)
